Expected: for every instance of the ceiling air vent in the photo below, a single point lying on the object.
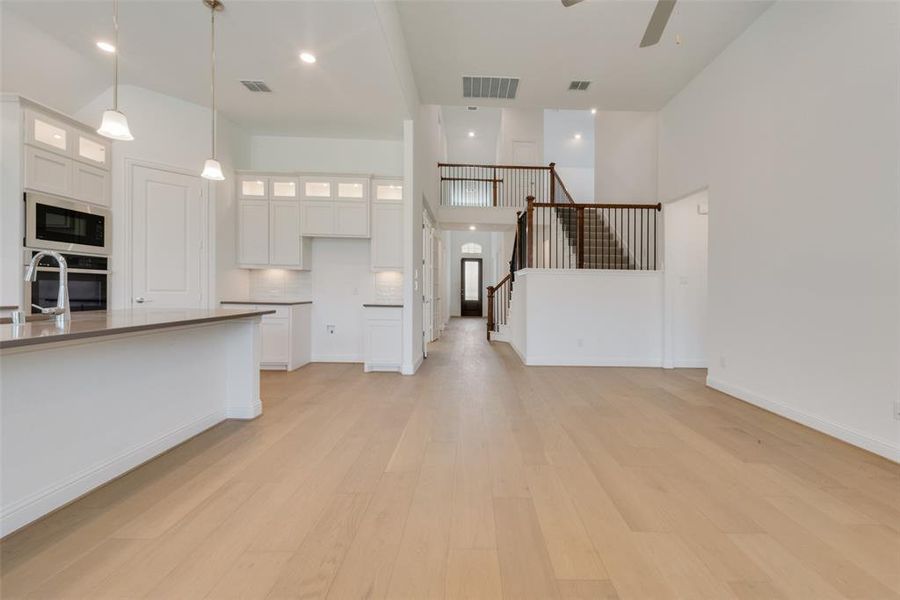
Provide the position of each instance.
(579, 86)
(490, 87)
(255, 86)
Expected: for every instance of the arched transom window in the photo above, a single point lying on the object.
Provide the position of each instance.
(471, 248)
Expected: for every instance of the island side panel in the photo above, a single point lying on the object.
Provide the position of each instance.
(75, 415)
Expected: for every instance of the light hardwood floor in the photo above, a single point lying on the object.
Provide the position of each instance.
(480, 478)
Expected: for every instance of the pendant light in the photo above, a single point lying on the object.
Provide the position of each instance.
(212, 169)
(114, 125)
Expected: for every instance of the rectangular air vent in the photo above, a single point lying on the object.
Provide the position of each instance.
(579, 86)
(490, 87)
(255, 86)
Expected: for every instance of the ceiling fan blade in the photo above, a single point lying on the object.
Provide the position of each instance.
(568, 3)
(658, 21)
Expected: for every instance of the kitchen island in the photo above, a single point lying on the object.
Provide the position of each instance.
(82, 404)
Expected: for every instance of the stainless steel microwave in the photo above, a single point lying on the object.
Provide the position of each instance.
(58, 224)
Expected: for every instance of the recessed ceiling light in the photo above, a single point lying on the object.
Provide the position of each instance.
(471, 228)
(471, 134)
(307, 57)
(577, 136)
(593, 111)
(106, 46)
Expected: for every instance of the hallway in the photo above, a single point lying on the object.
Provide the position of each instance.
(481, 478)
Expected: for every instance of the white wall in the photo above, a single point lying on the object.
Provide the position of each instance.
(325, 155)
(597, 318)
(625, 157)
(488, 272)
(175, 134)
(520, 125)
(686, 226)
(574, 158)
(794, 129)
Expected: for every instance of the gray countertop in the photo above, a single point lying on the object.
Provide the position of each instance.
(377, 305)
(104, 323)
(267, 302)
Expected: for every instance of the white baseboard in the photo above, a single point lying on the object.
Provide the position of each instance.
(845, 434)
(689, 363)
(337, 358)
(411, 369)
(591, 361)
(244, 413)
(49, 499)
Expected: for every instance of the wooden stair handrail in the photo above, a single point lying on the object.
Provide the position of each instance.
(657, 206)
(529, 167)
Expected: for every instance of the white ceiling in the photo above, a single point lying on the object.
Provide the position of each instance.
(351, 91)
(548, 45)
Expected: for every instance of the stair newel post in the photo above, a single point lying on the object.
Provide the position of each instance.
(580, 239)
(530, 233)
(552, 183)
(490, 311)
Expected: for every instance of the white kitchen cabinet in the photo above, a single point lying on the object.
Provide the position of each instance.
(287, 246)
(47, 133)
(48, 172)
(383, 338)
(285, 335)
(253, 232)
(90, 184)
(92, 150)
(253, 187)
(335, 206)
(270, 235)
(387, 226)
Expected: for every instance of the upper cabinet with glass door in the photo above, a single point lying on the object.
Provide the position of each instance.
(54, 135)
(252, 186)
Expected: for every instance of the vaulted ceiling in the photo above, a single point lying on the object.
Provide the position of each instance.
(548, 46)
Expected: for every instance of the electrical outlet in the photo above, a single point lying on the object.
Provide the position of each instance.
(329, 328)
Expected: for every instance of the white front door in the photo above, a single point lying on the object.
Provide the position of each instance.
(168, 228)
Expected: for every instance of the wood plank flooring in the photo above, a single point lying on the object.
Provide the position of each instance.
(481, 478)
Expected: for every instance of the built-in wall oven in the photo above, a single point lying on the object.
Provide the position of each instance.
(66, 225)
(88, 281)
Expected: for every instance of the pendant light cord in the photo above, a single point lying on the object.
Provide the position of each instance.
(116, 56)
(213, 73)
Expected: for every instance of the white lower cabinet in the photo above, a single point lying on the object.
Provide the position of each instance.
(284, 335)
(383, 338)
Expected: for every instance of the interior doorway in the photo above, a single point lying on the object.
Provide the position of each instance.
(686, 257)
(471, 280)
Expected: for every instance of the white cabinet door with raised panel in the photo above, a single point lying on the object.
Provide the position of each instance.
(91, 150)
(318, 217)
(47, 133)
(275, 337)
(284, 188)
(351, 219)
(284, 233)
(90, 184)
(387, 236)
(253, 232)
(48, 172)
(253, 187)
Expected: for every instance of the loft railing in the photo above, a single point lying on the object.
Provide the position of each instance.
(590, 236)
(502, 186)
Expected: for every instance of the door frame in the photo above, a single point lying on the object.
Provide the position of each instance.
(123, 245)
(462, 286)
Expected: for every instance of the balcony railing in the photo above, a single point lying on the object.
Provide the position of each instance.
(494, 186)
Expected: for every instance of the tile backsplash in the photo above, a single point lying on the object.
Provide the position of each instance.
(280, 283)
(389, 287)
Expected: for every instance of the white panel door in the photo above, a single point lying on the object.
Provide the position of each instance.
(168, 224)
(253, 232)
(284, 233)
(48, 172)
(90, 184)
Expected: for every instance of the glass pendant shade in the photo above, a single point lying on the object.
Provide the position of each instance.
(212, 170)
(115, 126)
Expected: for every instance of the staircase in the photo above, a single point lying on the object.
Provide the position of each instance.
(602, 247)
